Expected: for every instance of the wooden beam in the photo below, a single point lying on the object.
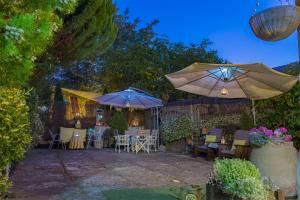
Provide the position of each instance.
(297, 2)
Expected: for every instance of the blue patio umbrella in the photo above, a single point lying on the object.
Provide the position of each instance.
(130, 98)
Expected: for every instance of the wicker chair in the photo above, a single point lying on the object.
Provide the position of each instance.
(203, 148)
(237, 150)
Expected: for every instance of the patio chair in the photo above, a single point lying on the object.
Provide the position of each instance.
(65, 136)
(122, 140)
(131, 132)
(240, 148)
(141, 143)
(90, 135)
(144, 132)
(54, 139)
(153, 141)
(213, 136)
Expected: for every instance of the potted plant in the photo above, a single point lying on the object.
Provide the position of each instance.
(275, 156)
(118, 122)
(236, 179)
(175, 133)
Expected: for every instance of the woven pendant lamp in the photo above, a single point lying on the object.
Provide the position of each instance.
(275, 23)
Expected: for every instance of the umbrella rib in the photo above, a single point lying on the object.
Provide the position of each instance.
(240, 85)
(150, 99)
(138, 98)
(197, 79)
(214, 86)
(111, 98)
(262, 81)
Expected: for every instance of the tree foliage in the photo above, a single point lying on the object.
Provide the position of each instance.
(86, 34)
(139, 57)
(26, 29)
(283, 110)
(14, 129)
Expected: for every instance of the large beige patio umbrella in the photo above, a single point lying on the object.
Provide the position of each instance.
(252, 81)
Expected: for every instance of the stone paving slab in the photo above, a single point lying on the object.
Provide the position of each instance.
(84, 174)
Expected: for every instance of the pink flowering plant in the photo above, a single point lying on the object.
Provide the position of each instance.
(262, 135)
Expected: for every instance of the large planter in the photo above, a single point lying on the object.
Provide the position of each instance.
(277, 161)
(177, 146)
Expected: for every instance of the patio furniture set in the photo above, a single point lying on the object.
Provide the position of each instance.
(137, 140)
(73, 137)
(76, 138)
(134, 140)
(213, 144)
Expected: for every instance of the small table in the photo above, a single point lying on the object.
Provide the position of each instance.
(76, 142)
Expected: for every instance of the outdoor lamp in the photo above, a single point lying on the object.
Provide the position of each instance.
(224, 91)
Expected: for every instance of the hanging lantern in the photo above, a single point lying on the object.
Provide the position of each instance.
(224, 91)
(275, 23)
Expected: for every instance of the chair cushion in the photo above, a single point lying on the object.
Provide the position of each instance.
(66, 134)
(210, 139)
(240, 142)
(203, 147)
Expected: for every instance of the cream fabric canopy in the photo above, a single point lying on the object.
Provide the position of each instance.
(252, 81)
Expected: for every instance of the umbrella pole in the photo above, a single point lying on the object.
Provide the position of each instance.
(157, 123)
(253, 112)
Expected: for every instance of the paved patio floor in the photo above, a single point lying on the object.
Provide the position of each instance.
(84, 174)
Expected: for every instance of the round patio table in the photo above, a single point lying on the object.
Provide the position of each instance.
(76, 142)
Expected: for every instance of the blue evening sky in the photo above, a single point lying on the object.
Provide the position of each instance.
(225, 22)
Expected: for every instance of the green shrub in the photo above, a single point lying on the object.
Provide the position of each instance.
(37, 127)
(179, 128)
(118, 122)
(246, 121)
(14, 129)
(239, 178)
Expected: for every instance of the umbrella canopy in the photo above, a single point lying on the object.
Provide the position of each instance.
(130, 98)
(252, 81)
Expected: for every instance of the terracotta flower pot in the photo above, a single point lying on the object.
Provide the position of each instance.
(277, 161)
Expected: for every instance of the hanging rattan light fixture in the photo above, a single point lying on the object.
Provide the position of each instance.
(275, 23)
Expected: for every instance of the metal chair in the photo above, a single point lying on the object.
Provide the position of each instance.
(141, 143)
(54, 139)
(122, 140)
(144, 132)
(153, 140)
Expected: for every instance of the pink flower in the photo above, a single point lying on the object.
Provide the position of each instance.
(263, 129)
(283, 130)
(288, 138)
(268, 133)
(253, 130)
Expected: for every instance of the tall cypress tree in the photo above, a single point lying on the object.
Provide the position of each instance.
(87, 32)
